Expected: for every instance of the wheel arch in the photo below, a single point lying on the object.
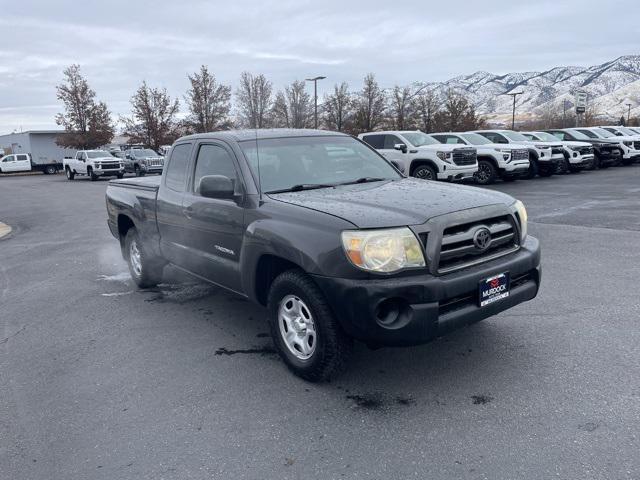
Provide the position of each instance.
(417, 162)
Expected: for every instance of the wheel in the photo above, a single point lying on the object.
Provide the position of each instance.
(595, 163)
(424, 172)
(138, 172)
(50, 170)
(486, 173)
(307, 336)
(563, 167)
(92, 175)
(120, 175)
(70, 175)
(145, 270)
(533, 169)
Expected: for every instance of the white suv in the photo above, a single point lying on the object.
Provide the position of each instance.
(544, 156)
(505, 161)
(577, 155)
(418, 155)
(629, 144)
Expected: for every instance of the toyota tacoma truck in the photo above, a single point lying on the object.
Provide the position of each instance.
(418, 155)
(326, 234)
(494, 160)
(94, 164)
(544, 157)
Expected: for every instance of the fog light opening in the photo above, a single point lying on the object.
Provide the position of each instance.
(393, 313)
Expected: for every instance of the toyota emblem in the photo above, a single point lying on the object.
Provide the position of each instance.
(482, 239)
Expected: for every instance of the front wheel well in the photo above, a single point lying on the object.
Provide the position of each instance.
(267, 269)
(418, 162)
(490, 159)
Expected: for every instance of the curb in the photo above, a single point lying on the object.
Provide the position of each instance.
(4, 230)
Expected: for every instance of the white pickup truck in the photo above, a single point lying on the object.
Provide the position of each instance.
(508, 162)
(418, 155)
(544, 157)
(94, 164)
(23, 162)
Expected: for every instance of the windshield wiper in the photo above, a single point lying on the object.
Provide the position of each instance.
(364, 180)
(303, 186)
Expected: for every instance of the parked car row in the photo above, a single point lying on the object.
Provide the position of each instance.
(113, 163)
(486, 155)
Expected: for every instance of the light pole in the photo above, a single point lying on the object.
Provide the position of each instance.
(513, 115)
(315, 97)
(628, 113)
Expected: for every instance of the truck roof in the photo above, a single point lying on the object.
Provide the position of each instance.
(251, 134)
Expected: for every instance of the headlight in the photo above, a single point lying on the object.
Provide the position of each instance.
(387, 250)
(542, 147)
(523, 217)
(444, 156)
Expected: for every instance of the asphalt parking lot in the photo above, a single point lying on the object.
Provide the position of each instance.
(99, 380)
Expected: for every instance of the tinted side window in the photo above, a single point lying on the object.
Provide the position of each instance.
(214, 160)
(376, 141)
(560, 135)
(22, 158)
(390, 141)
(178, 165)
(447, 139)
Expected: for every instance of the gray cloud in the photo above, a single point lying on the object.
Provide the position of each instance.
(121, 43)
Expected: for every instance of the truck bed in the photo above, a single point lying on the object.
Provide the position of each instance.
(144, 183)
(136, 199)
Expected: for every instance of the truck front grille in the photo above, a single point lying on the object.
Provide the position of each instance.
(520, 154)
(460, 247)
(155, 162)
(557, 151)
(110, 165)
(586, 151)
(636, 145)
(464, 156)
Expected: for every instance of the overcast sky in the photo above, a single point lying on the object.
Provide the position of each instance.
(120, 43)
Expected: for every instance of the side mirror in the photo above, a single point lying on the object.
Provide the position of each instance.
(216, 186)
(400, 146)
(619, 134)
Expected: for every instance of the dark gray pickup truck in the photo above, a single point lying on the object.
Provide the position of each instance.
(325, 233)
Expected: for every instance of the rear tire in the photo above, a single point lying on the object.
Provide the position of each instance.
(298, 308)
(424, 172)
(486, 174)
(70, 175)
(50, 170)
(145, 269)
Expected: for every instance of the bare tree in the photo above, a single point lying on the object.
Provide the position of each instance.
(401, 108)
(457, 114)
(253, 98)
(208, 103)
(87, 123)
(370, 106)
(338, 108)
(293, 108)
(426, 104)
(153, 119)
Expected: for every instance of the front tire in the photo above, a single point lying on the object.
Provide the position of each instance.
(533, 169)
(138, 172)
(486, 174)
(70, 175)
(92, 175)
(145, 269)
(424, 172)
(307, 335)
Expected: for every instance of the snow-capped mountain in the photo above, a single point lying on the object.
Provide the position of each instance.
(610, 87)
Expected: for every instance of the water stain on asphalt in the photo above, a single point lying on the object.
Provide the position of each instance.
(481, 399)
(263, 351)
(376, 401)
(262, 335)
(588, 427)
(180, 294)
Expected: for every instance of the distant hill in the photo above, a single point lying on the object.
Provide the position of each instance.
(610, 87)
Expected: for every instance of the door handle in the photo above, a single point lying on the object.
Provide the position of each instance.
(187, 211)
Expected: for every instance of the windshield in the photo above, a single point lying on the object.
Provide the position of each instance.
(603, 133)
(475, 138)
(143, 152)
(545, 136)
(579, 135)
(287, 162)
(515, 136)
(418, 139)
(627, 131)
(589, 133)
(98, 154)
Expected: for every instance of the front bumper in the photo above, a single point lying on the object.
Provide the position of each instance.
(151, 168)
(109, 173)
(428, 306)
(455, 172)
(518, 166)
(581, 160)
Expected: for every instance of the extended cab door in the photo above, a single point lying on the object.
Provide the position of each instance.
(214, 227)
(8, 163)
(169, 214)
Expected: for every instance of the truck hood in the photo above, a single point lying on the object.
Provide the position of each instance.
(444, 147)
(501, 146)
(407, 201)
(105, 159)
(573, 143)
(545, 144)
